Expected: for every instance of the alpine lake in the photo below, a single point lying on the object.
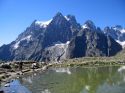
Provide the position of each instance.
(107, 79)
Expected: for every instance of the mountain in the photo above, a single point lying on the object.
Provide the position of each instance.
(59, 38)
(117, 32)
(35, 41)
(91, 41)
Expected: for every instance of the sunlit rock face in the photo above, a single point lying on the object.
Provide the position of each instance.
(56, 52)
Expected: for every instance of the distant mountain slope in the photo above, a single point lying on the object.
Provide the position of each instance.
(59, 38)
(91, 41)
(117, 32)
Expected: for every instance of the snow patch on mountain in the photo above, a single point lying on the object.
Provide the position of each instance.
(16, 45)
(28, 38)
(58, 50)
(122, 31)
(43, 23)
(66, 18)
(89, 25)
(85, 26)
(116, 28)
(122, 43)
(62, 45)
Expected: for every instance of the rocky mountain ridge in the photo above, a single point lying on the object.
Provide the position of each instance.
(59, 38)
(117, 32)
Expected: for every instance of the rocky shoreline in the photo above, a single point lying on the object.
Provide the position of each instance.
(14, 71)
(7, 74)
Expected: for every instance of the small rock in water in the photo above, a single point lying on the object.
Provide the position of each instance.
(12, 80)
(34, 74)
(7, 85)
(1, 91)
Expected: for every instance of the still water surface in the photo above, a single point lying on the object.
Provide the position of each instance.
(76, 80)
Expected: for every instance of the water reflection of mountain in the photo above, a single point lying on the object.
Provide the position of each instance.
(77, 80)
(62, 70)
(114, 84)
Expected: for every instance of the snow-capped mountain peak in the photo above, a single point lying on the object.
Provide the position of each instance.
(43, 23)
(89, 25)
(119, 28)
(85, 26)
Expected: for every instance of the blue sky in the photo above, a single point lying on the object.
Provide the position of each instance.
(16, 15)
